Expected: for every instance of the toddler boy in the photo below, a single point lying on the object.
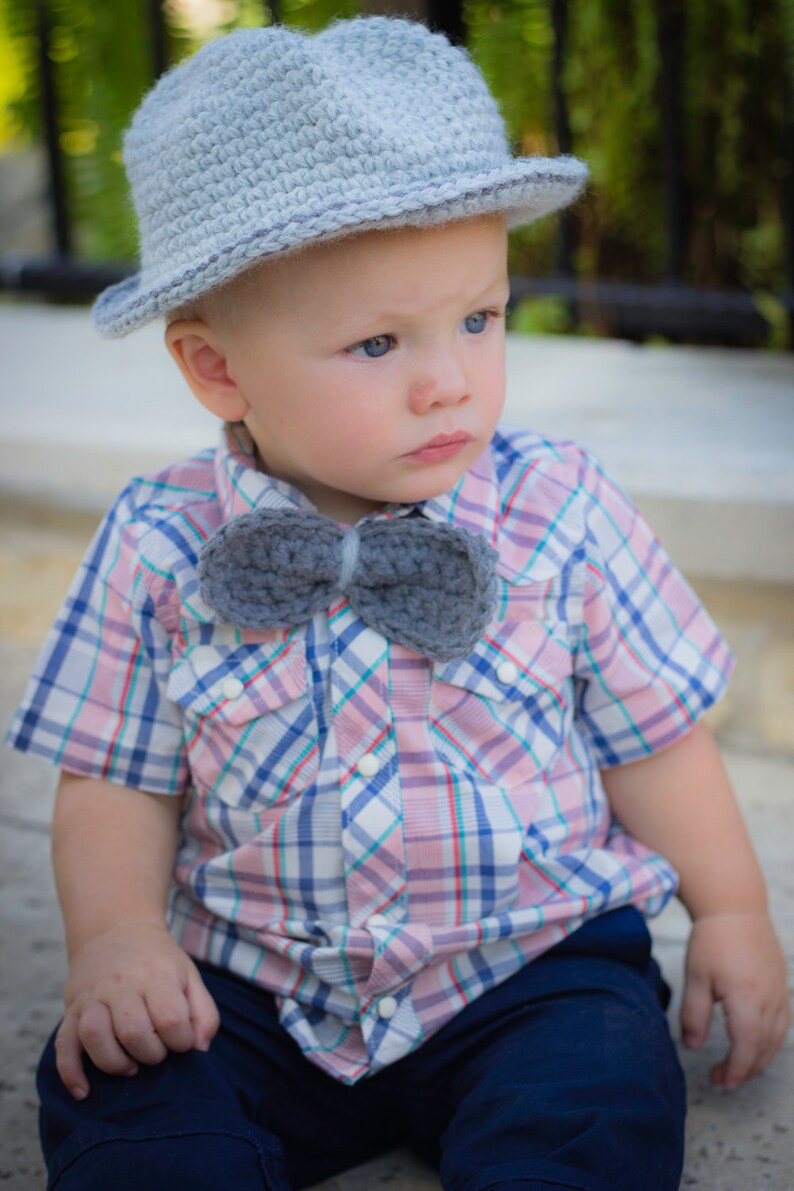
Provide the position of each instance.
(379, 724)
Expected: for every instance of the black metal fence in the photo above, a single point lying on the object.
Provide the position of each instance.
(670, 309)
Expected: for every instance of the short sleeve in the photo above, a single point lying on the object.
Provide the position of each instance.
(95, 704)
(649, 659)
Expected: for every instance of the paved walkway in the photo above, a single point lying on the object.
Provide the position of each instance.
(698, 432)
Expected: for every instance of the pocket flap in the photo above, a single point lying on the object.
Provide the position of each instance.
(238, 683)
(516, 661)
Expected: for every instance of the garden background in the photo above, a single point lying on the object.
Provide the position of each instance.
(733, 80)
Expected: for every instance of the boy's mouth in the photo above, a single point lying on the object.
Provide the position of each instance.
(443, 446)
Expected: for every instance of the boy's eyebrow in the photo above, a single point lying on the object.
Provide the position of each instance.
(498, 292)
(385, 314)
(501, 282)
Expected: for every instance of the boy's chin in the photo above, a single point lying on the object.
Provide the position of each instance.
(434, 483)
(431, 482)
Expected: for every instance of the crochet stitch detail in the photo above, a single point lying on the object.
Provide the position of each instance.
(432, 587)
(269, 138)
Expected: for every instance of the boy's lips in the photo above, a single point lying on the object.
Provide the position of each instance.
(443, 446)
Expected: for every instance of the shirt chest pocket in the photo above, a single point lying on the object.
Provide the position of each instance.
(502, 712)
(249, 725)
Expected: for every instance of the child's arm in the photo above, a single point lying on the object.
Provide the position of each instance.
(132, 992)
(680, 803)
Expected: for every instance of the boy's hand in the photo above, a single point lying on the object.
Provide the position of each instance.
(132, 994)
(736, 958)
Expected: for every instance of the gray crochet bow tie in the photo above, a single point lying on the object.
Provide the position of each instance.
(432, 587)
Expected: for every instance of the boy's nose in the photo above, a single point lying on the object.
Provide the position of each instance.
(443, 381)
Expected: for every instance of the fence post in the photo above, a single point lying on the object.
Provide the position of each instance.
(562, 128)
(447, 15)
(566, 226)
(158, 39)
(52, 135)
(787, 188)
(670, 16)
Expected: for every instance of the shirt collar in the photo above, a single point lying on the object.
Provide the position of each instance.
(241, 486)
(473, 503)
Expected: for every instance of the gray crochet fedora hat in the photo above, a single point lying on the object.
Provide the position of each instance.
(267, 139)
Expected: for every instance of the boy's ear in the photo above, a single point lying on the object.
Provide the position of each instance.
(201, 358)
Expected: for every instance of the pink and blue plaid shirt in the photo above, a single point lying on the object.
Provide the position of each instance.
(377, 838)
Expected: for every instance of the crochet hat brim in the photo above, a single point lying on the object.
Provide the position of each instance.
(524, 189)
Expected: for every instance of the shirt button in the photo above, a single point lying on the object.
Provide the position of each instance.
(377, 920)
(232, 688)
(507, 672)
(369, 765)
(387, 1007)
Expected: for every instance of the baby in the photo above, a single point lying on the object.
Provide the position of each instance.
(380, 724)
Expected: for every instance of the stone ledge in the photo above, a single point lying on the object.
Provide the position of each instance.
(700, 437)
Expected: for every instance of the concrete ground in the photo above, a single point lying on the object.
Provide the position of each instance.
(63, 452)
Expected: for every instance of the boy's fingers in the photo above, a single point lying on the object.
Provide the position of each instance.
(781, 1027)
(203, 1011)
(744, 1029)
(69, 1058)
(756, 1037)
(170, 1015)
(773, 1035)
(696, 1012)
(717, 1073)
(134, 1029)
(97, 1038)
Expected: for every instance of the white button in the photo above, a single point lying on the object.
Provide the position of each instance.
(232, 688)
(507, 672)
(377, 920)
(369, 765)
(387, 1007)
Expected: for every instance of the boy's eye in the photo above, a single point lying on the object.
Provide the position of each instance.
(375, 347)
(476, 322)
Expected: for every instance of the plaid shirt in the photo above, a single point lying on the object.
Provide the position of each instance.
(377, 838)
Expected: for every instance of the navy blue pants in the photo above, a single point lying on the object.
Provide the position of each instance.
(563, 1076)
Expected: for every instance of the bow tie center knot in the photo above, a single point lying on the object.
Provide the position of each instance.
(351, 544)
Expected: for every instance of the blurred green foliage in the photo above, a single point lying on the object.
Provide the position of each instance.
(738, 61)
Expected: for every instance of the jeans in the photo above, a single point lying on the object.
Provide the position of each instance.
(564, 1076)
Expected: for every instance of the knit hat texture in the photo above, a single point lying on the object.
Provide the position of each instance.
(267, 139)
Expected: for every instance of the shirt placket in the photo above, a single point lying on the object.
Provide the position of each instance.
(373, 847)
(371, 805)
